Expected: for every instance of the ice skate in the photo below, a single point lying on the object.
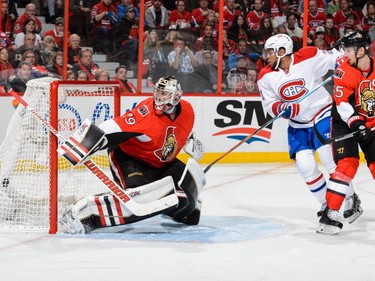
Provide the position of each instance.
(352, 208)
(71, 225)
(322, 208)
(329, 222)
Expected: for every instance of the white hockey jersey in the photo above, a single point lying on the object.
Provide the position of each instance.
(306, 70)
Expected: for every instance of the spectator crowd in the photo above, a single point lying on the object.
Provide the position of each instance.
(180, 38)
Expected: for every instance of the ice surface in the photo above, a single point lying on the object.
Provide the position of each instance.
(258, 223)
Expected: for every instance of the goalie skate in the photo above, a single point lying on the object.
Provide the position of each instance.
(70, 224)
(329, 222)
(353, 209)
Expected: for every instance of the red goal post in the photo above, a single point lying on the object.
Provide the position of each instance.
(36, 184)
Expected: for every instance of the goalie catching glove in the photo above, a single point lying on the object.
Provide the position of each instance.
(84, 142)
(194, 147)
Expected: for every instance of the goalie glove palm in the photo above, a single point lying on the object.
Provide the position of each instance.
(84, 142)
(194, 147)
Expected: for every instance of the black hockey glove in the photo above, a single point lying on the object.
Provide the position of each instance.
(364, 134)
(358, 124)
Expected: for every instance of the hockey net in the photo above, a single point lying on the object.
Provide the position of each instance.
(37, 185)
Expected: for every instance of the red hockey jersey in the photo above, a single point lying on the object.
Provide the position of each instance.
(160, 139)
(351, 82)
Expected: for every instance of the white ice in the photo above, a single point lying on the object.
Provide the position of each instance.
(256, 195)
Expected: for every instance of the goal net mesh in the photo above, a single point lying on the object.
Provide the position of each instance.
(25, 156)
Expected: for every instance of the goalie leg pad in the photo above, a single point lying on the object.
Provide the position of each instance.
(192, 181)
(85, 141)
(105, 210)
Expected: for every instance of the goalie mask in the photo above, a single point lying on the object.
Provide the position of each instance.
(277, 42)
(167, 94)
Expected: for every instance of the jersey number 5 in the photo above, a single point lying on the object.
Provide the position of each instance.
(339, 93)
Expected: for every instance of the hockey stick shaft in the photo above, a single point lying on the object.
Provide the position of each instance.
(267, 124)
(138, 209)
(325, 141)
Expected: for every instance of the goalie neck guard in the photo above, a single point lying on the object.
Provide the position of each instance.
(167, 94)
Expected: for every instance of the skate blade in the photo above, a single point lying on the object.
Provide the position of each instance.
(328, 229)
(355, 216)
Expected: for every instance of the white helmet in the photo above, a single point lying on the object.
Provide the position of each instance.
(167, 94)
(279, 41)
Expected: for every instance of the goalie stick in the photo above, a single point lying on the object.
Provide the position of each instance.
(266, 124)
(333, 140)
(138, 209)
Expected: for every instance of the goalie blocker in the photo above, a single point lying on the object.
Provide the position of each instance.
(84, 142)
(105, 210)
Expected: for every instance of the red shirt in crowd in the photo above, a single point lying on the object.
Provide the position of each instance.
(98, 9)
(179, 19)
(253, 18)
(339, 18)
(21, 20)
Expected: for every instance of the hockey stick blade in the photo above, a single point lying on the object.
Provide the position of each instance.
(333, 140)
(138, 209)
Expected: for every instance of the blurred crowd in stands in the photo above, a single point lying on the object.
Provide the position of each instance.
(180, 38)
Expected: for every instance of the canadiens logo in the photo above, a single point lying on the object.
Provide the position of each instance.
(367, 99)
(293, 90)
(168, 151)
(339, 73)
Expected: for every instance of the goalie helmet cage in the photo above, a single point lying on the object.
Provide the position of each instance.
(37, 185)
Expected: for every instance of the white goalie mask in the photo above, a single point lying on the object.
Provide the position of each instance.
(279, 41)
(167, 94)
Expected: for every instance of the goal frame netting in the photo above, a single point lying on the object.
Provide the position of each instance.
(72, 89)
(54, 141)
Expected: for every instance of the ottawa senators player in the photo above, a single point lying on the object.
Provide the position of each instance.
(143, 145)
(354, 111)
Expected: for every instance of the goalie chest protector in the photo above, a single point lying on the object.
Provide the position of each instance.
(160, 139)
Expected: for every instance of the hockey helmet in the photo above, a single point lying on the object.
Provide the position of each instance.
(167, 94)
(356, 39)
(280, 41)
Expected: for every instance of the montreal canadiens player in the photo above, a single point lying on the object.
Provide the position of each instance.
(354, 98)
(287, 78)
(143, 145)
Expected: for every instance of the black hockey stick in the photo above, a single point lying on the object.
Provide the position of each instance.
(266, 124)
(333, 140)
